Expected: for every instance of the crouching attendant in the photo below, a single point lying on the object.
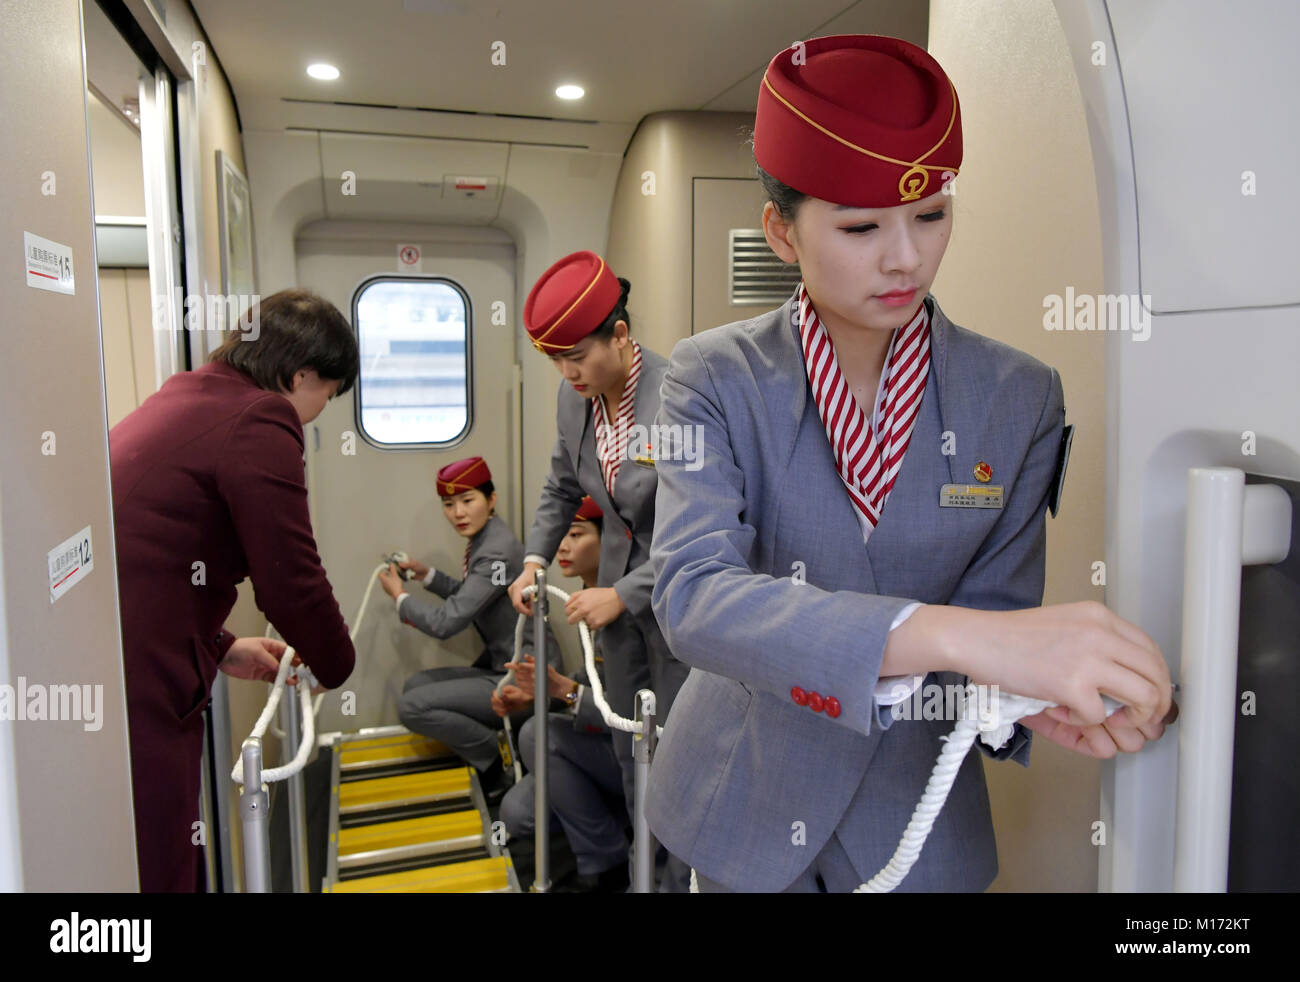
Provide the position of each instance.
(453, 705)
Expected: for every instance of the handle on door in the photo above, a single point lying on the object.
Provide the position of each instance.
(1229, 525)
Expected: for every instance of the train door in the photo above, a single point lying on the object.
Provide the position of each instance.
(438, 383)
(121, 101)
(1194, 179)
(65, 779)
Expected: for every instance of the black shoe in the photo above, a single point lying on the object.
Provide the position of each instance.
(495, 782)
(613, 880)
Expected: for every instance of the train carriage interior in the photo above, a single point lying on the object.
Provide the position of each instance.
(420, 164)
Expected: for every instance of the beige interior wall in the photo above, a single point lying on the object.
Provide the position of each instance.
(1026, 225)
(118, 172)
(115, 329)
(650, 234)
(218, 130)
(124, 306)
(218, 127)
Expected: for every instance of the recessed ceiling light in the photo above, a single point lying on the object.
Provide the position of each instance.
(570, 92)
(322, 71)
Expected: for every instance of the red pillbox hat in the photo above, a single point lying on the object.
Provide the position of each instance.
(588, 510)
(858, 119)
(463, 475)
(569, 301)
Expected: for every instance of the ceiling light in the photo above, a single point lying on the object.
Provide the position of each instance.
(570, 92)
(322, 71)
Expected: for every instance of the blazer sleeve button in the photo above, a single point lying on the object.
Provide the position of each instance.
(799, 696)
(832, 707)
(815, 702)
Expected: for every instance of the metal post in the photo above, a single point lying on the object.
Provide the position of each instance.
(206, 813)
(541, 710)
(222, 832)
(643, 750)
(255, 815)
(297, 797)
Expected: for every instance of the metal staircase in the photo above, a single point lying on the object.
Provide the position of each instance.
(407, 816)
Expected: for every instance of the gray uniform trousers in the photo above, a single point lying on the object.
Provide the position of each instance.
(454, 705)
(586, 794)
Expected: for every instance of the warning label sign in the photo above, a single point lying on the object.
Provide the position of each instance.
(49, 264)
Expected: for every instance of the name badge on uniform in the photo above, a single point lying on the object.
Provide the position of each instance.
(970, 496)
(644, 461)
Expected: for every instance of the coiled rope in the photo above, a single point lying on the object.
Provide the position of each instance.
(309, 708)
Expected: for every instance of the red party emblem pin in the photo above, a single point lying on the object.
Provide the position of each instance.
(983, 472)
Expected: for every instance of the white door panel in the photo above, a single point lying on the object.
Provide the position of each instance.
(1210, 387)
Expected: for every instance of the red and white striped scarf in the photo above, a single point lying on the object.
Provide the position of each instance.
(611, 438)
(868, 461)
(464, 567)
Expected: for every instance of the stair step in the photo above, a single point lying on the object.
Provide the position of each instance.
(403, 789)
(385, 751)
(365, 845)
(488, 875)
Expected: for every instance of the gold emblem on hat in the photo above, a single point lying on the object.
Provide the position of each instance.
(913, 182)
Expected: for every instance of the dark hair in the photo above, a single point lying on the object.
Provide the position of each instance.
(598, 521)
(619, 313)
(289, 331)
(786, 198)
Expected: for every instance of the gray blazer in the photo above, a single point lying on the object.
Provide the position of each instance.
(747, 786)
(496, 557)
(628, 524)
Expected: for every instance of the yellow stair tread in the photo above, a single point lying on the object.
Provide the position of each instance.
(410, 831)
(410, 745)
(426, 785)
(487, 875)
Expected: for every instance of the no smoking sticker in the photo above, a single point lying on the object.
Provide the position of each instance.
(408, 258)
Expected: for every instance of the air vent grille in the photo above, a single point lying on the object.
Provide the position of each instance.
(757, 275)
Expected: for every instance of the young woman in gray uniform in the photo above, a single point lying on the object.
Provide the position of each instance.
(576, 315)
(453, 705)
(869, 512)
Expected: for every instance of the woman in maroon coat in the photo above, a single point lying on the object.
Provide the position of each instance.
(209, 487)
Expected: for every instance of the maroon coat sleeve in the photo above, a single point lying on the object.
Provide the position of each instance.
(224, 640)
(261, 475)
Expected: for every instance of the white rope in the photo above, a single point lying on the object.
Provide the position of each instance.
(305, 682)
(611, 718)
(309, 708)
(999, 725)
(509, 679)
